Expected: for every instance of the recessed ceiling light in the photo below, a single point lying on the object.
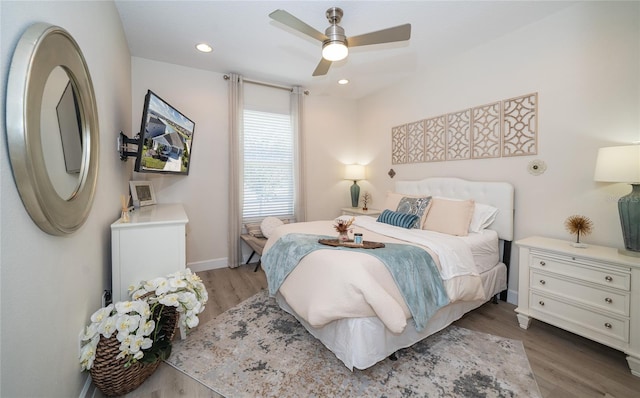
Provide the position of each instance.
(343, 81)
(204, 47)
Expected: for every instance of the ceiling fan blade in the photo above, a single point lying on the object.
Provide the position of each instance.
(397, 33)
(285, 18)
(322, 68)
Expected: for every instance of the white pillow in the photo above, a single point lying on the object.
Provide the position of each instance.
(483, 216)
(269, 224)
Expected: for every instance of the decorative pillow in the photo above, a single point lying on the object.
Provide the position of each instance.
(451, 217)
(269, 224)
(416, 206)
(254, 230)
(483, 216)
(397, 219)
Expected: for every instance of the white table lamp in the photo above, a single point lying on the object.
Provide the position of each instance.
(354, 172)
(622, 164)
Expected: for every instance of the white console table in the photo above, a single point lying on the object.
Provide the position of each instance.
(151, 244)
(593, 292)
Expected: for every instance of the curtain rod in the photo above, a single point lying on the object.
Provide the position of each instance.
(259, 83)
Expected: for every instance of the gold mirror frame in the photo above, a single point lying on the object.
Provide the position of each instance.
(42, 48)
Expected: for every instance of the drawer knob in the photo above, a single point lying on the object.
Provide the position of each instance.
(608, 278)
(608, 300)
(607, 325)
(543, 263)
(541, 302)
(542, 282)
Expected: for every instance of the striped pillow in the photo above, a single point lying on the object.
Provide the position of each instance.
(397, 219)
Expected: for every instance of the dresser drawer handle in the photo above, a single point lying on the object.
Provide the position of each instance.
(607, 325)
(608, 278)
(541, 303)
(542, 282)
(543, 263)
(608, 300)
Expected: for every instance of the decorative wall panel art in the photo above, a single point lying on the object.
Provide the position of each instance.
(502, 128)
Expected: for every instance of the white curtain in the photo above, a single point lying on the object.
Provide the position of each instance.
(235, 169)
(297, 112)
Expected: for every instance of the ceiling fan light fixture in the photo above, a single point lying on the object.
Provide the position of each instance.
(334, 51)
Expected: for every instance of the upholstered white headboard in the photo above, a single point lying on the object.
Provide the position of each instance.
(496, 194)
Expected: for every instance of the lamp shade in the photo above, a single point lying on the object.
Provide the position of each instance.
(354, 172)
(618, 164)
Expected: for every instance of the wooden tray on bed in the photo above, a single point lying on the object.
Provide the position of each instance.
(365, 244)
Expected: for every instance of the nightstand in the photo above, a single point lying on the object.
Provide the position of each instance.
(593, 292)
(357, 211)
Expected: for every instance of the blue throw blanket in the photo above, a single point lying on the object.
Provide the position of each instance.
(411, 267)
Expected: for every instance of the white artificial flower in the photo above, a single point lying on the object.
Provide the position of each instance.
(135, 343)
(146, 327)
(135, 295)
(159, 285)
(87, 355)
(175, 284)
(127, 323)
(192, 321)
(89, 332)
(108, 326)
(170, 300)
(125, 343)
(102, 313)
(146, 343)
(124, 307)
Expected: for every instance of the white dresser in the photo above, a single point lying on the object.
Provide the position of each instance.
(151, 244)
(593, 292)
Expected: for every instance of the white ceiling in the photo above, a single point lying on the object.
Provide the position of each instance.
(245, 40)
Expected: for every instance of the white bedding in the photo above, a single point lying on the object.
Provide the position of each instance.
(328, 284)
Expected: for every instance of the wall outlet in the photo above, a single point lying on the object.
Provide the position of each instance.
(106, 298)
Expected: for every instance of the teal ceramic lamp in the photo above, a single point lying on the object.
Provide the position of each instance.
(354, 172)
(622, 164)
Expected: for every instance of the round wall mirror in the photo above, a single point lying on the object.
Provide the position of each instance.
(52, 129)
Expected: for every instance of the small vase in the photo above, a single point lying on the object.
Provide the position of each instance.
(343, 236)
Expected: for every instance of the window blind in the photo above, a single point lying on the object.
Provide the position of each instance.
(268, 146)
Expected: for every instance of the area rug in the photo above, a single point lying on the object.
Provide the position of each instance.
(258, 350)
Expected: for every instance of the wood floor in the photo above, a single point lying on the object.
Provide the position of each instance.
(565, 365)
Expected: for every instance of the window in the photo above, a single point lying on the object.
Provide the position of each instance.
(269, 162)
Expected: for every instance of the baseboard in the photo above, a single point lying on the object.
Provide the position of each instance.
(512, 297)
(89, 389)
(206, 265)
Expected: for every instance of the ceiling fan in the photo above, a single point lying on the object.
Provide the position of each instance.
(335, 45)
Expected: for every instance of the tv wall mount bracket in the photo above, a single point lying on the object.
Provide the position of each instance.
(123, 146)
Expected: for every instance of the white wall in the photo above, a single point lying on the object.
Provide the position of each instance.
(583, 62)
(329, 141)
(50, 285)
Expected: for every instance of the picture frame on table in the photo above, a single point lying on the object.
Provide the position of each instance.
(142, 193)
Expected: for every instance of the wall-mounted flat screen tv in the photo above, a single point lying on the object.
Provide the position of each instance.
(166, 137)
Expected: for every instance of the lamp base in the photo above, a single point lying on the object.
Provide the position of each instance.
(629, 210)
(355, 194)
(629, 253)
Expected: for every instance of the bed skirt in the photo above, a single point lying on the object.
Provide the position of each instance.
(362, 342)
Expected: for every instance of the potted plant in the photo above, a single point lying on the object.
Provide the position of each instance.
(343, 226)
(125, 341)
(366, 200)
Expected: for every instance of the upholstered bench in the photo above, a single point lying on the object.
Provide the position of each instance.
(256, 244)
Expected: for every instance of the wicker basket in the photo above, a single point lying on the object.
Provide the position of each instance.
(109, 373)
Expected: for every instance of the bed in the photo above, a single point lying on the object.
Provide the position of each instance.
(350, 299)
